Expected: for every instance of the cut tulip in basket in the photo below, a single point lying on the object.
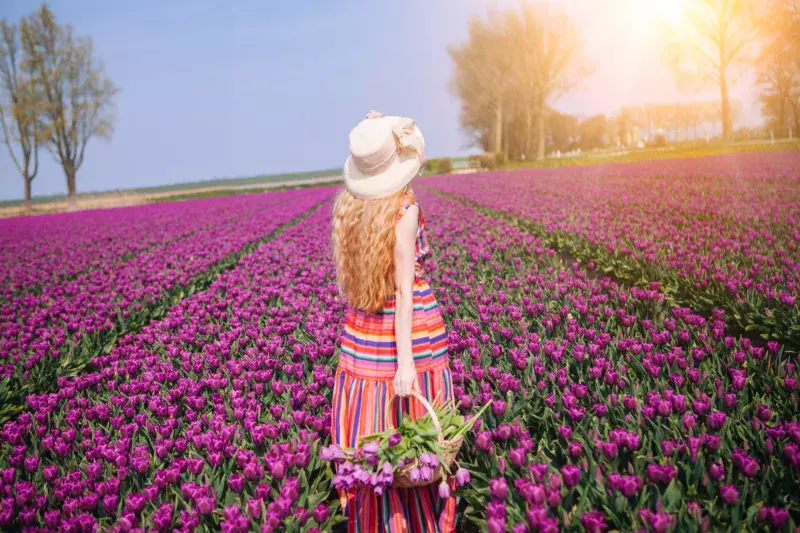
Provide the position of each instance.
(418, 452)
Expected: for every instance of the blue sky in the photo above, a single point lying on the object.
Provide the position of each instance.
(213, 88)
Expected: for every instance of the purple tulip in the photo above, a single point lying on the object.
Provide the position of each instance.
(483, 440)
(716, 420)
(659, 522)
(729, 494)
(320, 513)
(778, 517)
(254, 508)
(278, 470)
(630, 486)
(571, 475)
(594, 522)
(496, 525)
(750, 467)
(110, 502)
(32, 463)
(716, 471)
(575, 449)
(236, 482)
(205, 505)
(517, 456)
(554, 499)
(49, 472)
(661, 474)
(498, 488)
(425, 473)
(462, 476)
(536, 515)
(609, 449)
(370, 448)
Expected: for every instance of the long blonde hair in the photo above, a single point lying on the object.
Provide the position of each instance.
(363, 247)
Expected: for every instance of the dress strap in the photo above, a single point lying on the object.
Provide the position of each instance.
(404, 208)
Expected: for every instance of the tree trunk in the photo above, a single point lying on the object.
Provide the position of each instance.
(540, 134)
(726, 106)
(796, 114)
(28, 193)
(498, 129)
(72, 201)
(540, 128)
(782, 121)
(528, 132)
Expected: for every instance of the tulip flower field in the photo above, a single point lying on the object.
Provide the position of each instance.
(717, 232)
(83, 302)
(170, 367)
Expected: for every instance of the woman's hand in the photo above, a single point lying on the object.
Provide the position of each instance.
(405, 380)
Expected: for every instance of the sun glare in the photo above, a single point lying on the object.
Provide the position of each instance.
(669, 12)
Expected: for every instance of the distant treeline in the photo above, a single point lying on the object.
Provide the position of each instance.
(264, 179)
(516, 63)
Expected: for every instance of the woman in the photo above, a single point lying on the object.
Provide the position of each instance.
(394, 340)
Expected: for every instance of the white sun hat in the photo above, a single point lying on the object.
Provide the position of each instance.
(386, 153)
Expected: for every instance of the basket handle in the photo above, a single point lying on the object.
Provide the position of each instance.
(425, 403)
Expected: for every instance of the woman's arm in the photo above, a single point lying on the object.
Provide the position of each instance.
(404, 258)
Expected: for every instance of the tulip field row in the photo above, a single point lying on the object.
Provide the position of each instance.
(35, 253)
(613, 409)
(719, 232)
(57, 329)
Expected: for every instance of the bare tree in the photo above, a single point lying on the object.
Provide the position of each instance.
(779, 81)
(779, 63)
(716, 37)
(482, 73)
(511, 68)
(553, 49)
(20, 107)
(77, 93)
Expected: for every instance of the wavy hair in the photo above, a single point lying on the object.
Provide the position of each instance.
(363, 247)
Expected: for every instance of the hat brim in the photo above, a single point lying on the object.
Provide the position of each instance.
(399, 174)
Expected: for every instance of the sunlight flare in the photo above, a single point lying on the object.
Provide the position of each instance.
(663, 12)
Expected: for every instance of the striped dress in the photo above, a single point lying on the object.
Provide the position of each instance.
(367, 365)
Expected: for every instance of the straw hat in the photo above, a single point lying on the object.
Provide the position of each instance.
(385, 155)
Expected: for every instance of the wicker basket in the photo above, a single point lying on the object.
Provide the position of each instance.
(450, 449)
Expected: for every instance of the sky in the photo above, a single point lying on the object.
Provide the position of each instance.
(213, 89)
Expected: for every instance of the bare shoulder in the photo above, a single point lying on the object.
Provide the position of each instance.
(411, 211)
(407, 225)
